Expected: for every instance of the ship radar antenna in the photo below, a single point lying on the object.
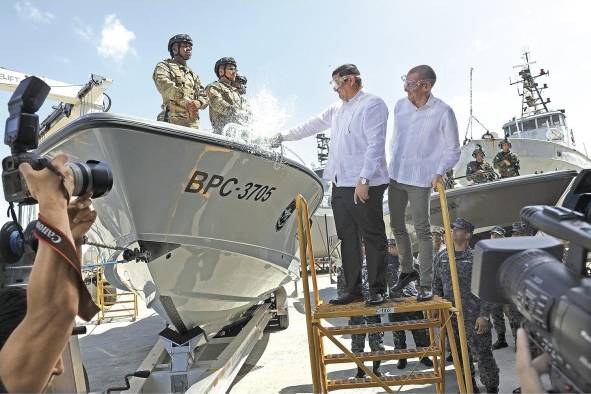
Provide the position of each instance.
(472, 118)
(530, 91)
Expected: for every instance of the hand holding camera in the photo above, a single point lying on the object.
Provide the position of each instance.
(47, 186)
(81, 216)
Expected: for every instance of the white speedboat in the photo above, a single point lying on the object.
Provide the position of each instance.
(210, 217)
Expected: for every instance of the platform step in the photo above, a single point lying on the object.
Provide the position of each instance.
(356, 383)
(384, 327)
(396, 354)
(398, 305)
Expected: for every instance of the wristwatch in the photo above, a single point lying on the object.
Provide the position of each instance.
(364, 181)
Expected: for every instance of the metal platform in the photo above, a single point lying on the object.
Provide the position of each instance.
(437, 315)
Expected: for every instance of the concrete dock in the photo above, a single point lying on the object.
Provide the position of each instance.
(279, 362)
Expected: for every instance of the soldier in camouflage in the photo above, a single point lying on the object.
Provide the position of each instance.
(225, 100)
(182, 93)
(505, 161)
(240, 84)
(420, 337)
(478, 170)
(376, 340)
(245, 116)
(437, 234)
(476, 311)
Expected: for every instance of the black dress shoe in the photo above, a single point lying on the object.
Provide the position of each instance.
(500, 343)
(376, 368)
(424, 294)
(427, 361)
(401, 363)
(346, 299)
(360, 373)
(449, 358)
(375, 299)
(404, 279)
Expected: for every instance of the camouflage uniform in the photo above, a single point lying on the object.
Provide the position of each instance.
(225, 105)
(376, 340)
(473, 307)
(421, 336)
(499, 311)
(473, 174)
(506, 171)
(178, 84)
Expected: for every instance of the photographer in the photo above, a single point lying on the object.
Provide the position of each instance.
(31, 356)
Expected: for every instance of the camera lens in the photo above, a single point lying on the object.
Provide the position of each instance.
(532, 278)
(93, 177)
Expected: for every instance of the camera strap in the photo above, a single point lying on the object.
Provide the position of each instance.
(56, 240)
(64, 191)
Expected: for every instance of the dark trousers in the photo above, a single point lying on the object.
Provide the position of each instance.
(366, 221)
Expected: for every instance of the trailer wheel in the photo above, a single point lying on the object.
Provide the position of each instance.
(283, 321)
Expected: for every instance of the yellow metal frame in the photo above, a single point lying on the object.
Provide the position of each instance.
(438, 313)
(106, 301)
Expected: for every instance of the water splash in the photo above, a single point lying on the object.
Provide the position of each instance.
(264, 117)
(268, 115)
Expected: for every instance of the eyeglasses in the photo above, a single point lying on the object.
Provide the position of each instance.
(336, 83)
(409, 84)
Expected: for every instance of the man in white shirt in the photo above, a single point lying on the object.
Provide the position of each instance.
(426, 145)
(357, 169)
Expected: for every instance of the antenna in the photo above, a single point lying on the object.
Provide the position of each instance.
(469, 126)
(322, 148)
(532, 101)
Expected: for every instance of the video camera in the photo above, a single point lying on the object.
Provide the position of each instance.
(553, 296)
(22, 136)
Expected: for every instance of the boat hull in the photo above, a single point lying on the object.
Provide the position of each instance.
(496, 203)
(215, 216)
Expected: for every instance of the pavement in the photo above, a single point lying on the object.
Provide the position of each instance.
(115, 348)
(279, 363)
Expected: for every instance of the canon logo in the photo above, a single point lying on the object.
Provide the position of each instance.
(48, 233)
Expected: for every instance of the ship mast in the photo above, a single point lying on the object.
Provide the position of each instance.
(322, 148)
(532, 101)
(472, 118)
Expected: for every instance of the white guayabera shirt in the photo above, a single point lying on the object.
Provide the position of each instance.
(357, 139)
(426, 142)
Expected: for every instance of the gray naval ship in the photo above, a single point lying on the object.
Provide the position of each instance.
(548, 158)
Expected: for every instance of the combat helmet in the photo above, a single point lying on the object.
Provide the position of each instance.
(178, 39)
(498, 230)
(241, 79)
(478, 150)
(505, 141)
(223, 62)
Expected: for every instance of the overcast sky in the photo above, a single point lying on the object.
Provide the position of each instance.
(287, 49)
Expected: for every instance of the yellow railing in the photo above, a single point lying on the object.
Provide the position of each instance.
(107, 299)
(438, 314)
